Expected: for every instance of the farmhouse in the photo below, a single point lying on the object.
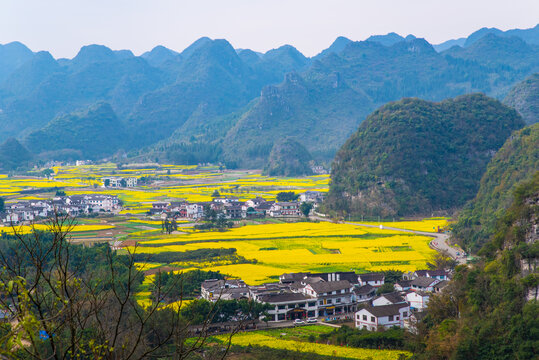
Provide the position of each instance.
(418, 300)
(289, 305)
(423, 284)
(388, 299)
(385, 316)
(372, 279)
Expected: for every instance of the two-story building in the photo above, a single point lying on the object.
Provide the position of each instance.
(334, 297)
(384, 316)
(372, 279)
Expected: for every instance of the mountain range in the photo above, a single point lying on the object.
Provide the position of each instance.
(174, 106)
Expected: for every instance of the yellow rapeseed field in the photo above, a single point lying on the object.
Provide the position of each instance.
(257, 339)
(303, 246)
(26, 229)
(427, 225)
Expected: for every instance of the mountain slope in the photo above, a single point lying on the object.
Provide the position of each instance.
(92, 133)
(318, 112)
(514, 163)
(524, 97)
(415, 157)
(13, 155)
(12, 56)
(288, 158)
(489, 310)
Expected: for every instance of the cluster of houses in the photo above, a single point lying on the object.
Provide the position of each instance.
(338, 294)
(74, 205)
(233, 208)
(118, 182)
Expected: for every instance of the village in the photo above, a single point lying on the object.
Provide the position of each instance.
(94, 203)
(338, 296)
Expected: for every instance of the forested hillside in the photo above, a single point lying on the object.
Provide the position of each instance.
(89, 134)
(288, 158)
(490, 310)
(415, 157)
(514, 163)
(524, 97)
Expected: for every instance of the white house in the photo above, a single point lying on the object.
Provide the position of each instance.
(372, 279)
(287, 305)
(334, 297)
(388, 299)
(384, 316)
(417, 300)
(423, 283)
(363, 293)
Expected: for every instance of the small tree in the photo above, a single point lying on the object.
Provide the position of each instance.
(306, 208)
(215, 194)
(2, 205)
(287, 196)
(386, 288)
(60, 192)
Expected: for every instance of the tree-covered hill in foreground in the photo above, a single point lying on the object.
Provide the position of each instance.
(514, 163)
(415, 157)
(524, 97)
(490, 310)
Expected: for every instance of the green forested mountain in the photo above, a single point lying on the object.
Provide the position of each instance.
(288, 158)
(12, 56)
(490, 310)
(317, 111)
(13, 155)
(212, 95)
(90, 134)
(414, 157)
(514, 163)
(524, 97)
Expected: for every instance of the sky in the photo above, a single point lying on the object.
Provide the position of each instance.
(64, 26)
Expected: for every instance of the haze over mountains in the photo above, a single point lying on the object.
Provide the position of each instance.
(212, 102)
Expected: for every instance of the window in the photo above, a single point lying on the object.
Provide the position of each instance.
(281, 307)
(321, 302)
(365, 317)
(334, 292)
(329, 301)
(302, 305)
(280, 317)
(343, 291)
(338, 300)
(396, 318)
(373, 319)
(405, 314)
(313, 303)
(390, 317)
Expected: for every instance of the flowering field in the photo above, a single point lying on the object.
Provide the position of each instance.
(170, 182)
(427, 225)
(262, 338)
(302, 246)
(25, 229)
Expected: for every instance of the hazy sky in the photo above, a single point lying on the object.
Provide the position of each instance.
(63, 26)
